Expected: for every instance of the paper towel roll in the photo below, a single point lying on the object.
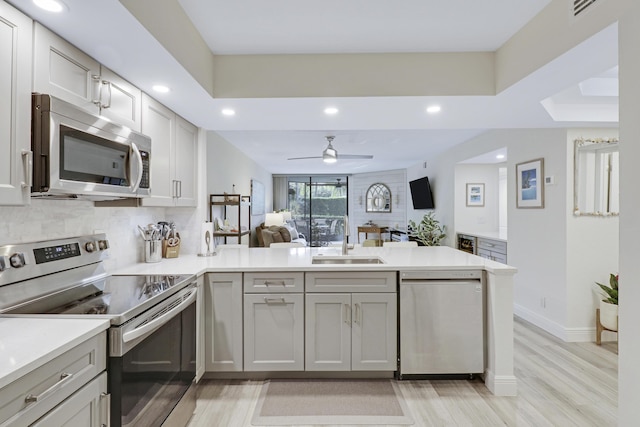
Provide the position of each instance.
(207, 241)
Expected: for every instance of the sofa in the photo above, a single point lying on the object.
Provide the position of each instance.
(279, 234)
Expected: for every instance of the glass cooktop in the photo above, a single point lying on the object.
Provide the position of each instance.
(118, 294)
(116, 297)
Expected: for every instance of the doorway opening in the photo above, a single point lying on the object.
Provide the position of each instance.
(318, 205)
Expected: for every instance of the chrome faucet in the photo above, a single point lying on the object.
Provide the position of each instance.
(345, 244)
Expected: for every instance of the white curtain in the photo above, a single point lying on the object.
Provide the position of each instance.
(280, 192)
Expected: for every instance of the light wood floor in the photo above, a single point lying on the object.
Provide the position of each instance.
(559, 384)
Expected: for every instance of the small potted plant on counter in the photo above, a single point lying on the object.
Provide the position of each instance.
(428, 232)
(609, 304)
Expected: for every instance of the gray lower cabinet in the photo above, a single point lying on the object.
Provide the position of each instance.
(351, 332)
(223, 322)
(351, 321)
(495, 250)
(274, 321)
(274, 332)
(70, 390)
(88, 407)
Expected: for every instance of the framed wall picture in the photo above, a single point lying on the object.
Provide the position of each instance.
(475, 194)
(530, 184)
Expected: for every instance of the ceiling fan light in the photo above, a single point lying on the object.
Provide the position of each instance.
(330, 155)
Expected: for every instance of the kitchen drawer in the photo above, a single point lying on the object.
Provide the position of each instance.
(361, 281)
(52, 382)
(495, 256)
(493, 245)
(262, 283)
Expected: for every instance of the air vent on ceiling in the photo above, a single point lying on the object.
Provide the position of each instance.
(580, 6)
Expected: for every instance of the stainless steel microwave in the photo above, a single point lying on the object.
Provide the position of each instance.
(78, 155)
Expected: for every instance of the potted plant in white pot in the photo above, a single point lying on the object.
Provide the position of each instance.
(428, 232)
(609, 304)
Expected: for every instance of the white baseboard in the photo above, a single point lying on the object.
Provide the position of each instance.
(501, 385)
(585, 334)
(540, 321)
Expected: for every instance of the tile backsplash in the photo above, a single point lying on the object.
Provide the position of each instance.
(52, 219)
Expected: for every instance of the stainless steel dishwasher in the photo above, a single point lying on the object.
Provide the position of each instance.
(442, 326)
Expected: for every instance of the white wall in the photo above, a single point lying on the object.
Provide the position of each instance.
(548, 246)
(396, 180)
(228, 167)
(592, 252)
(476, 218)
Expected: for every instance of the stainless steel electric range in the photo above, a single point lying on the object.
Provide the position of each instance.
(151, 341)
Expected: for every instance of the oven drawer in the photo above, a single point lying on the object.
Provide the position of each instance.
(280, 282)
(48, 385)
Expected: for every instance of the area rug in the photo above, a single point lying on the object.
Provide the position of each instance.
(336, 402)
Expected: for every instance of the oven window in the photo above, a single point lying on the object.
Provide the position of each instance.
(149, 380)
(89, 158)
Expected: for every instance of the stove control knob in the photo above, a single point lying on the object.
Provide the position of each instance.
(3, 263)
(103, 244)
(90, 247)
(17, 260)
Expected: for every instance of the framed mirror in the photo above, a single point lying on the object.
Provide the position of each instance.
(596, 180)
(378, 198)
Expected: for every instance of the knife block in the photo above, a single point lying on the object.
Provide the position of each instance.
(171, 251)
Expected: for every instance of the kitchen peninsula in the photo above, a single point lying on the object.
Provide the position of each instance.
(499, 376)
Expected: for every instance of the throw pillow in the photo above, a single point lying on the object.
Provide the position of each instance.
(284, 232)
(293, 232)
(270, 237)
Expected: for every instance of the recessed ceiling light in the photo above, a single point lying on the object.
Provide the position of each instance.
(49, 5)
(228, 112)
(433, 109)
(331, 111)
(160, 88)
(500, 156)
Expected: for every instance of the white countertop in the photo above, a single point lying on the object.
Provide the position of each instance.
(299, 259)
(27, 343)
(495, 235)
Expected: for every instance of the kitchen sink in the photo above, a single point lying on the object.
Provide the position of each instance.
(346, 259)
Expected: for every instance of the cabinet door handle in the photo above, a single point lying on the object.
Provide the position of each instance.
(64, 377)
(357, 319)
(347, 314)
(179, 188)
(106, 407)
(97, 88)
(175, 189)
(274, 283)
(27, 160)
(108, 104)
(274, 300)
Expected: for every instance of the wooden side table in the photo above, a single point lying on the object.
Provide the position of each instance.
(600, 328)
(366, 229)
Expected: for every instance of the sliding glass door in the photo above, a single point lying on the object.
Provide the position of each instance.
(318, 205)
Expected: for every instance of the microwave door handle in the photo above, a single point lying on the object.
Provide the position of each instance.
(138, 156)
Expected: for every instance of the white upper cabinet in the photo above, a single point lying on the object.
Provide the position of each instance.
(66, 72)
(15, 106)
(186, 160)
(174, 150)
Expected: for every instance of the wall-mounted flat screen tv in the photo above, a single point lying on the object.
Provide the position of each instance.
(421, 194)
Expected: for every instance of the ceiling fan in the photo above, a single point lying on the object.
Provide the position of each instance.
(330, 154)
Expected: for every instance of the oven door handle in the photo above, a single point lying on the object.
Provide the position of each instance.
(156, 323)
